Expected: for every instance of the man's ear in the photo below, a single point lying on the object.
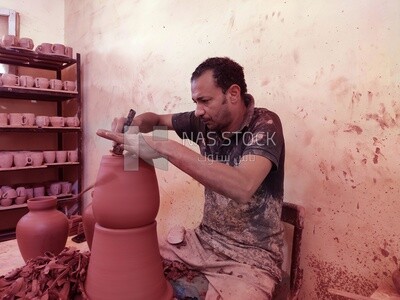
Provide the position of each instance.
(234, 93)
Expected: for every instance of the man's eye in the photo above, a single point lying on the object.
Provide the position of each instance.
(201, 101)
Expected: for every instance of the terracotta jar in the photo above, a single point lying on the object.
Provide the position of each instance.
(88, 224)
(42, 229)
(124, 198)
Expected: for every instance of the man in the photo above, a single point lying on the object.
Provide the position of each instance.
(238, 244)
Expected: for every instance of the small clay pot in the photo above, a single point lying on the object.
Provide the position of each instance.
(6, 201)
(20, 200)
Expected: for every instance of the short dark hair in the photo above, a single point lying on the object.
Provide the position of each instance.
(225, 71)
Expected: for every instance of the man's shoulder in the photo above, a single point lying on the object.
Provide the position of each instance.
(264, 115)
(262, 111)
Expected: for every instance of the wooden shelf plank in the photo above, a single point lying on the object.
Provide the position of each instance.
(63, 164)
(23, 168)
(16, 92)
(32, 59)
(14, 206)
(46, 129)
(60, 200)
(38, 167)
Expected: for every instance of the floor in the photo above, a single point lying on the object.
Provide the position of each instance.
(10, 257)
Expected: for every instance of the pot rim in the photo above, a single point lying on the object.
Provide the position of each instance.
(42, 202)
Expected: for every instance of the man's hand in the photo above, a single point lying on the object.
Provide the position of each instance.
(117, 124)
(133, 142)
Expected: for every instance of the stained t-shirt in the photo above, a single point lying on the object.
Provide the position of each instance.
(250, 233)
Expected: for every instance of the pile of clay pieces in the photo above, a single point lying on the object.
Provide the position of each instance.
(188, 284)
(48, 277)
(62, 277)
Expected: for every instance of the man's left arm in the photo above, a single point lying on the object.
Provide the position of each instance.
(236, 182)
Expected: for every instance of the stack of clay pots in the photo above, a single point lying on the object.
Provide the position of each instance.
(125, 261)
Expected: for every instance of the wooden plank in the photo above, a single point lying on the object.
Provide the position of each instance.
(379, 294)
(349, 295)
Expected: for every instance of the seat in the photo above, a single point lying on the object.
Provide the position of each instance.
(289, 287)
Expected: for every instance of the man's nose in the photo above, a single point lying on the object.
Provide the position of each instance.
(199, 111)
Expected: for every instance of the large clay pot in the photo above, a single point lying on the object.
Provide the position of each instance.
(126, 264)
(125, 198)
(42, 229)
(88, 224)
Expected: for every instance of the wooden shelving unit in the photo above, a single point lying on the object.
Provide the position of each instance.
(9, 215)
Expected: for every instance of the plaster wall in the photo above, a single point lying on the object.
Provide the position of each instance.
(41, 20)
(330, 69)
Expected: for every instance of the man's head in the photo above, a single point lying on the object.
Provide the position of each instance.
(218, 89)
(225, 72)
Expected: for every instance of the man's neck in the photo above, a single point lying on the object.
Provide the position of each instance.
(238, 120)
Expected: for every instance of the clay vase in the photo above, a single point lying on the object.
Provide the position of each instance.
(88, 224)
(125, 261)
(396, 279)
(125, 198)
(42, 229)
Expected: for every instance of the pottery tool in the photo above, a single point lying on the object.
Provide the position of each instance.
(101, 181)
(117, 148)
(79, 238)
(78, 196)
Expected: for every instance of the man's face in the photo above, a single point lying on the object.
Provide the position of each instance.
(212, 105)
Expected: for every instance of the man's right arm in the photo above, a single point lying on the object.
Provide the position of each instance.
(148, 120)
